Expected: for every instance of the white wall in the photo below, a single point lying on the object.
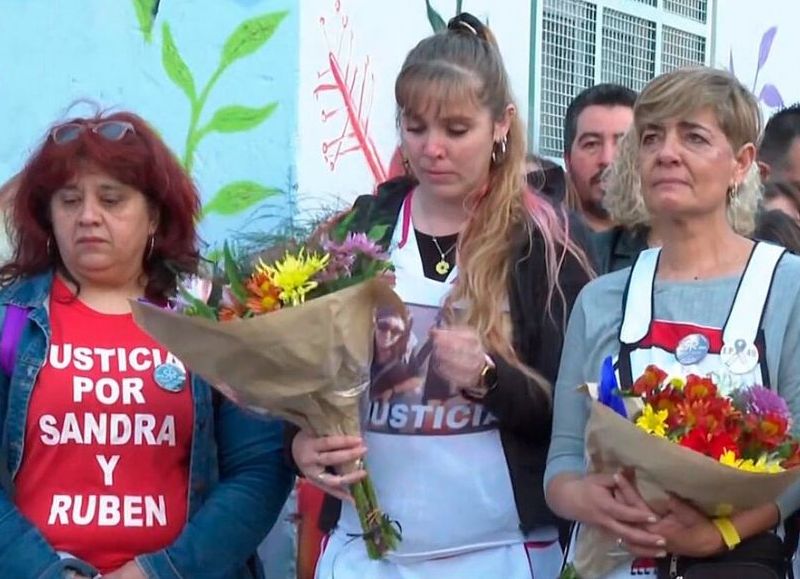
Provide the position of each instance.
(380, 33)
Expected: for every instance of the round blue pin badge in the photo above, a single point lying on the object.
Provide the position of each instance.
(170, 377)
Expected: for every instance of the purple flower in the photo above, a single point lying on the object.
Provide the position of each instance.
(762, 401)
(343, 255)
(360, 244)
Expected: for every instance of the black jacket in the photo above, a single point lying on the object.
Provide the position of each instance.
(524, 412)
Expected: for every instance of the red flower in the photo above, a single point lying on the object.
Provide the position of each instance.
(771, 430)
(713, 445)
(697, 387)
(651, 379)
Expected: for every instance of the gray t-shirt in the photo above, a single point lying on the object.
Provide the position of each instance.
(593, 333)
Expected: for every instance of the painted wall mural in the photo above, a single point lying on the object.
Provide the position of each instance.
(216, 78)
(759, 50)
(277, 107)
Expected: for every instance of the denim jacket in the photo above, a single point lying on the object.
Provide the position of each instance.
(238, 479)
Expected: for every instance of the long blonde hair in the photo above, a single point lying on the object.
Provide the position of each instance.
(678, 93)
(463, 64)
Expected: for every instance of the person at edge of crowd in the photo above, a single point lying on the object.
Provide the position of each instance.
(777, 227)
(122, 463)
(618, 247)
(595, 121)
(694, 131)
(779, 150)
(782, 196)
(459, 224)
(546, 177)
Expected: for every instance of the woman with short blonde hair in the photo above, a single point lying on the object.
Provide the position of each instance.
(689, 165)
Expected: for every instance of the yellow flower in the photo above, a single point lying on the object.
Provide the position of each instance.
(676, 382)
(652, 421)
(760, 465)
(293, 275)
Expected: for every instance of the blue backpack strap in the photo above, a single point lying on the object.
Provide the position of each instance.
(13, 324)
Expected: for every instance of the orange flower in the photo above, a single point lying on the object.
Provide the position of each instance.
(651, 379)
(264, 294)
(711, 414)
(697, 387)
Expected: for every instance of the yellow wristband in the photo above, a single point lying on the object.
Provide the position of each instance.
(730, 535)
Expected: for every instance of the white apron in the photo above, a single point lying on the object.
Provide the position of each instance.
(436, 459)
(733, 355)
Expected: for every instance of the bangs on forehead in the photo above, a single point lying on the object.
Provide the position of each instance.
(440, 91)
(677, 106)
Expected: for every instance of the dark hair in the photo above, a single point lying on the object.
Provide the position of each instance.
(606, 95)
(782, 129)
(776, 189)
(140, 160)
(777, 227)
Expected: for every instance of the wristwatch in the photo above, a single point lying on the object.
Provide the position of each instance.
(486, 383)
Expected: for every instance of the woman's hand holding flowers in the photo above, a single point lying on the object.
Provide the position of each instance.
(313, 455)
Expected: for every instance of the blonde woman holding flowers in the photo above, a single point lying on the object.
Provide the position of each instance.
(709, 302)
(488, 273)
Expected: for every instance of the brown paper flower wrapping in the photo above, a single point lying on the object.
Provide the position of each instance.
(307, 364)
(661, 467)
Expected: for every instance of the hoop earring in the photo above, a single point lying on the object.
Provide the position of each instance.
(151, 243)
(49, 246)
(406, 167)
(733, 194)
(499, 151)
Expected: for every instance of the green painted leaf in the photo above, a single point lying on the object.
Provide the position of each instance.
(238, 196)
(146, 11)
(436, 20)
(176, 68)
(234, 119)
(250, 36)
(458, 7)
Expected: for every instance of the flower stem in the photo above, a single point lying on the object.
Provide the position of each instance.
(379, 533)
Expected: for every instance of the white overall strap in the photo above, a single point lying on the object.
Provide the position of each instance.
(638, 312)
(748, 307)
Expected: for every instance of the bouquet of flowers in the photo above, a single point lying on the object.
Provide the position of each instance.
(291, 337)
(737, 447)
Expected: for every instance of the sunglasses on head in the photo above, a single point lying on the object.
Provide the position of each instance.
(109, 130)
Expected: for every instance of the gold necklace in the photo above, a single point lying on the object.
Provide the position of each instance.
(443, 266)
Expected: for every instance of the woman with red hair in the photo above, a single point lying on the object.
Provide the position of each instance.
(121, 462)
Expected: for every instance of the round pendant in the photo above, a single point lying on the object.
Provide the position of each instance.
(740, 357)
(170, 377)
(692, 349)
(442, 267)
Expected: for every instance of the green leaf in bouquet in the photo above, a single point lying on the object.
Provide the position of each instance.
(569, 573)
(234, 275)
(377, 232)
(434, 18)
(197, 307)
(342, 228)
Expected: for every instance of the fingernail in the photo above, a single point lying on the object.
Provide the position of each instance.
(617, 477)
(661, 554)
(661, 543)
(652, 519)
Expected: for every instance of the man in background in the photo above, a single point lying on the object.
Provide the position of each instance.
(595, 121)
